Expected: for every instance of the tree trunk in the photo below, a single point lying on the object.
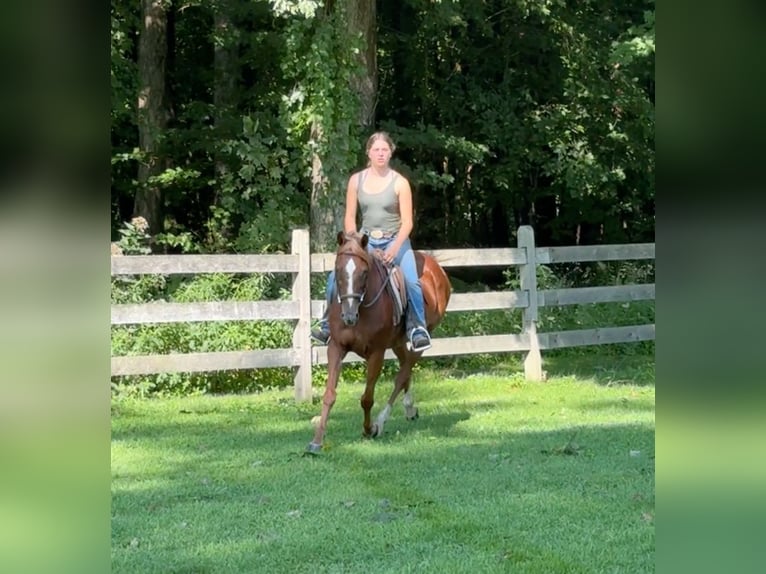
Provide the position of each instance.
(327, 207)
(225, 64)
(361, 15)
(225, 76)
(152, 108)
(327, 201)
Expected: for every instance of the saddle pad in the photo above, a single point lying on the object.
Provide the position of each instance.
(398, 291)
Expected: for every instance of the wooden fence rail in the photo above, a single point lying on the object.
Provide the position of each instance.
(301, 263)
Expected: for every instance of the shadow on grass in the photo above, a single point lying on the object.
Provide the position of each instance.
(602, 364)
(624, 404)
(221, 484)
(220, 434)
(491, 503)
(602, 368)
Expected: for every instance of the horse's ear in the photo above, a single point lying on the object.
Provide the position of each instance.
(341, 236)
(364, 241)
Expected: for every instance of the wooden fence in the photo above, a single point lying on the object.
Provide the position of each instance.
(301, 263)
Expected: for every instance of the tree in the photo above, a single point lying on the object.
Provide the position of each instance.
(504, 113)
(225, 73)
(153, 109)
(361, 15)
(335, 81)
(353, 24)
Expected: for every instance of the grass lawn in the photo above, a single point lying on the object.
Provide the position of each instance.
(497, 475)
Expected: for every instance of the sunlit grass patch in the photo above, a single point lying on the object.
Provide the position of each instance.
(497, 475)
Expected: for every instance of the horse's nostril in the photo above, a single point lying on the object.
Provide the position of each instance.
(350, 319)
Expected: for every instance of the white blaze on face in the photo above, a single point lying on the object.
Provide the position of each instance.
(349, 270)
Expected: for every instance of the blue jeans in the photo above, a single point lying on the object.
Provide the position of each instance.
(404, 259)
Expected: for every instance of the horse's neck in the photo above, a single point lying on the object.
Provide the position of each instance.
(376, 277)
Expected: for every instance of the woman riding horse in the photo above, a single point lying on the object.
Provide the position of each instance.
(362, 320)
(385, 199)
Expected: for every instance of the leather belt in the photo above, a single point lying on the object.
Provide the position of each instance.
(380, 234)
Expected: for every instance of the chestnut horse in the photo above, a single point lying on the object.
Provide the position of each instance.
(362, 320)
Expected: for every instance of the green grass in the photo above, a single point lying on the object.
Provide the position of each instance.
(497, 475)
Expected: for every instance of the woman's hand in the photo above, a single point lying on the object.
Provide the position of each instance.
(389, 255)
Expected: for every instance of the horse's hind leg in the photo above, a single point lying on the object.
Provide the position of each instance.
(410, 410)
(401, 382)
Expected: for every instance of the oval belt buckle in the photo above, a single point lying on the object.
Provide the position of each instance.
(376, 234)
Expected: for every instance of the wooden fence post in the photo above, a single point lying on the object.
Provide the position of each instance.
(533, 362)
(302, 333)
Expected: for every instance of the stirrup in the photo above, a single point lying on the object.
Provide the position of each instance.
(320, 335)
(423, 341)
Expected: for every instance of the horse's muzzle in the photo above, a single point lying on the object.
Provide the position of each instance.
(349, 319)
(349, 308)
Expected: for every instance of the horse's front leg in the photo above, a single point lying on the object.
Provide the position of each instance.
(374, 366)
(335, 356)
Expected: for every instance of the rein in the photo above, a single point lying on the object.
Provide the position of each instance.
(380, 291)
(360, 296)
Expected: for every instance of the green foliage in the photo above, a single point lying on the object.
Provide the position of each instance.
(128, 289)
(259, 203)
(174, 176)
(244, 335)
(569, 135)
(505, 113)
(554, 318)
(594, 315)
(304, 8)
(124, 20)
(199, 337)
(177, 241)
(320, 108)
(637, 43)
(134, 239)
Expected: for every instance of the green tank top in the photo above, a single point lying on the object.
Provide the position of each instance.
(379, 210)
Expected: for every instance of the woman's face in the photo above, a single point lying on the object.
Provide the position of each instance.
(379, 153)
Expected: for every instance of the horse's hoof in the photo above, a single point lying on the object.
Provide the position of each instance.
(313, 448)
(414, 416)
